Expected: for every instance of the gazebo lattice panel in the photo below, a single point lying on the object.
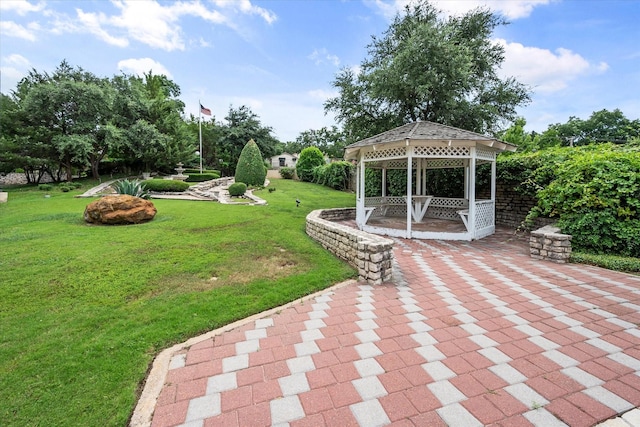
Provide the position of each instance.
(445, 151)
(445, 163)
(446, 208)
(484, 154)
(388, 153)
(484, 215)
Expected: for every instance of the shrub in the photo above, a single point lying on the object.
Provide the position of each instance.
(64, 188)
(165, 185)
(310, 158)
(201, 177)
(335, 175)
(192, 171)
(250, 168)
(287, 173)
(19, 170)
(133, 188)
(611, 262)
(75, 184)
(45, 187)
(237, 189)
(595, 196)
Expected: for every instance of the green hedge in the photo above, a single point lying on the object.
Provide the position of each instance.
(190, 171)
(287, 173)
(237, 189)
(611, 262)
(593, 191)
(309, 158)
(201, 177)
(165, 185)
(335, 175)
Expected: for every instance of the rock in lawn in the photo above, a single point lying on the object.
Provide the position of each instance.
(120, 209)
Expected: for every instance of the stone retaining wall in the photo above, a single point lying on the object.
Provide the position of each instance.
(15, 178)
(549, 244)
(513, 207)
(372, 255)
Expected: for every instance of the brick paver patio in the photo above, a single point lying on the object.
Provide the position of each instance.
(468, 334)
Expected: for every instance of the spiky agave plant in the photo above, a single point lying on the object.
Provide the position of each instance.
(133, 188)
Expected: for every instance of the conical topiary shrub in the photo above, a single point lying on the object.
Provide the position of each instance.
(251, 169)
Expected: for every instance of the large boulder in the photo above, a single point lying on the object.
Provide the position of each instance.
(119, 209)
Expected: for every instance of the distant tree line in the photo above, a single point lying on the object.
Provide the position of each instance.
(601, 127)
(72, 121)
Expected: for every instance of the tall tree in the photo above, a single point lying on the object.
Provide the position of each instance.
(425, 67)
(243, 125)
(148, 107)
(66, 111)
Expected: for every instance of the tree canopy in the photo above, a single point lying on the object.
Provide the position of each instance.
(601, 127)
(425, 67)
(331, 141)
(70, 121)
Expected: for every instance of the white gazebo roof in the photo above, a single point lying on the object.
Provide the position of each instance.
(426, 134)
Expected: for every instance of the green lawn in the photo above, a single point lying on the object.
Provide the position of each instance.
(84, 309)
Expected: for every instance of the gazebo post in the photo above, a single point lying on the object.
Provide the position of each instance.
(466, 179)
(409, 185)
(360, 213)
(384, 181)
(418, 176)
(472, 193)
(493, 185)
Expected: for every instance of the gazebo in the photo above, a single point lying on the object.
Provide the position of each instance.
(416, 148)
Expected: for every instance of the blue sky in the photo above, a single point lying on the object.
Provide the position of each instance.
(279, 57)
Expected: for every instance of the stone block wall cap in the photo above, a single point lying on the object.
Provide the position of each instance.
(547, 229)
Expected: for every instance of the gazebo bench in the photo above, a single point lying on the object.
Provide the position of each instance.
(464, 215)
(382, 208)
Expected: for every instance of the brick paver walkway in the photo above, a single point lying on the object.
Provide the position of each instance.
(468, 334)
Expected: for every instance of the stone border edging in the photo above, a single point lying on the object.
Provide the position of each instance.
(143, 412)
(372, 255)
(549, 244)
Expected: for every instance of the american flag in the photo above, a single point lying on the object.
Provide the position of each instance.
(205, 111)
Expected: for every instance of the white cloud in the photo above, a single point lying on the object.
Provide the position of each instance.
(16, 60)
(245, 6)
(149, 23)
(157, 24)
(14, 67)
(320, 56)
(544, 70)
(140, 66)
(21, 7)
(511, 9)
(11, 29)
(92, 23)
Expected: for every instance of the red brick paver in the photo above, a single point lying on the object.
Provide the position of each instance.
(468, 333)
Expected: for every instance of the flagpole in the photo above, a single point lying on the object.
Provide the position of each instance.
(200, 127)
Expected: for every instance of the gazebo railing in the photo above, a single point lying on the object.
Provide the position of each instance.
(485, 214)
(440, 207)
(446, 208)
